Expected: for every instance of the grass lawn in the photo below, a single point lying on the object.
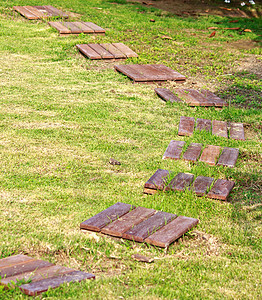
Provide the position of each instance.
(64, 116)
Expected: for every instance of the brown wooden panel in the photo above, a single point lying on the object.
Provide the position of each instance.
(141, 231)
(203, 124)
(185, 96)
(174, 150)
(153, 73)
(35, 288)
(172, 73)
(84, 27)
(113, 50)
(55, 12)
(96, 28)
(134, 217)
(221, 189)
(193, 152)
(101, 51)
(228, 157)
(167, 95)
(198, 97)
(219, 128)
(125, 49)
(201, 185)
(131, 72)
(215, 99)
(172, 231)
(25, 12)
(97, 222)
(60, 27)
(88, 51)
(14, 260)
(33, 10)
(237, 131)
(180, 182)
(210, 155)
(72, 27)
(44, 11)
(186, 126)
(158, 180)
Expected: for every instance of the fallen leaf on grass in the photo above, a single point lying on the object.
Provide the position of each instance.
(212, 34)
(147, 3)
(232, 28)
(152, 20)
(142, 258)
(225, 8)
(212, 28)
(247, 30)
(233, 21)
(166, 37)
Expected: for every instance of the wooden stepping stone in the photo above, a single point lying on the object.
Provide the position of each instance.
(228, 157)
(186, 126)
(213, 98)
(65, 28)
(39, 12)
(203, 124)
(180, 182)
(106, 51)
(193, 152)
(221, 189)
(158, 181)
(167, 95)
(219, 128)
(174, 150)
(237, 131)
(201, 185)
(149, 73)
(198, 98)
(210, 155)
(42, 274)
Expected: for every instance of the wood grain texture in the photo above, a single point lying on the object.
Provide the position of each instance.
(125, 49)
(193, 152)
(228, 157)
(203, 124)
(199, 98)
(96, 28)
(237, 131)
(131, 72)
(210, 155)
(55, 12)
(60, 27)
(221, 189)
(167, 95)
(25, 13)
(84, 27)
(88, 51)
(201, 185)
(33, 10)
(72, 27)
(14, 260)
(180, 182)
(174, 150)
(186, 126)
(101, 51)
(172, 73)
(113, 50)
(214, 98)
(219, 128)
(183, 95)
(158, 180)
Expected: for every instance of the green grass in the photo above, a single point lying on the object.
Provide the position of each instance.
(63, 117)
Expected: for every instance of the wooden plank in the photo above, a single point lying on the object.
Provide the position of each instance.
(186, 126)
(203, 124)
(88, 51)
(60, 27)
(219, 128)
(172, 231)
(210, 155)
(167, 95)
(131, 72)
(84, 27)
(125, 49)
(180, 182)
(14, 260)
(113, 50)
(35, 288)
(33, 10)
(221, 189)
(193, 152)
(72, 27)
(141, 231)
(101, 51)
(97, 222)
(185, 96)
(201, 185)
(25, 12)
(158, 180)
(134, 217)
(228, 157)
(96, 28)
(153, 73)
(237, 131)
(174, 150)
(215, 99)
(172, 73)
(55, 12)
(44, 11)
(198, 97)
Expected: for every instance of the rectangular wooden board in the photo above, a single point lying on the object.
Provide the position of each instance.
(25, 12)
(172, 73)
(33, 10)
(199, 98)
(167, 95)
(134, 217)
(201, 185)
(180, 182)
(101, 51)
(153, 73)
(60, 27)
(45, 10)
(96, 28)
(215, 99)
(158, 180)
(221, 189)
(219, 128)
(237, 131)
(84, 27)
(193, 152)
(186, 126)
(172, 231)
(203, 124)
(72, 27)
(210, 155)
(97, 222)
(141, 231)
(14, 260)
(186, 97)
(55, 12)
(88, 51)
(174, 150)
(125, 49)
(113, 50)
(131, 72)
(228, 157)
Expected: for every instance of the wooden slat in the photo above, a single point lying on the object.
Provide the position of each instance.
(134, 217)
(174, 150)
(185, 96)
(14, 260)
(237, 131)
(212, 97)
(141, 231)
(97, 222)
(210, 155)
(55, 12)
(33, 10)
(180, 182)
(153, 73)
(60, 27)
(201, 185)
(221, 189)
(172, 73)
(96, 28)
(203, 124)
(193, 152)
(125, 49)
(172, 231)
(158, 180)
(72, 27)
(131, 72)
(199, 98)
(88, 51)
(219, 128)
(167, 95)
(44, 11)
(84, 27)
(101, 51)
(228, 157)
(186, 126)
(35, 288)
(25, 12)
(113, 50)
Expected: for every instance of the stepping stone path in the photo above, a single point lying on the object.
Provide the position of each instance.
(161, 181)
(149, 73)
(219, 128)
(66, 28)
(106, 51)
(210, 154)
(140, 224)
(39, 12)
(42, 274)
(191, 97)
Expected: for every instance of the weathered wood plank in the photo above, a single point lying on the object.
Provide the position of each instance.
(60, 27)
(210, 155)
(101, 51)
(113, 50)
(186, 126)
(88, 51)
(84, 27)
(157, 181)
(185, 96)
(174, 150)
(203, 124)
(55, 12)
(193, 152)
(44, 11)
(172, 73)
(172, 231)
(96, 28)
(221, 189)
(72, 27)
(134, 217)
(153, 73)
(201, 185)
(228, 157)
(97, 222)
(180, 182)
(199, 98)
(237, 131)
(214, 98)
(25, 12)
(219, 128)
(14, 260)
(141, 231)
(167, 95)
(33, 10)
(131, 72)
(125, 50)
